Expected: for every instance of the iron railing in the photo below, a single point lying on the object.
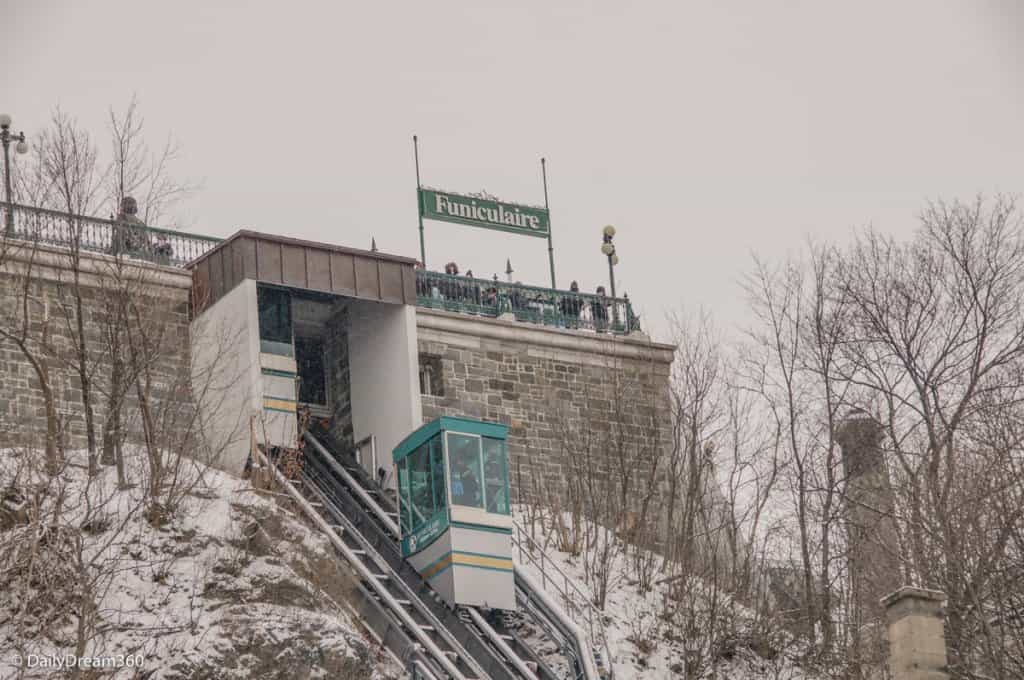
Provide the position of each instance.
(94, 234)
(547, 306)
(577, 604)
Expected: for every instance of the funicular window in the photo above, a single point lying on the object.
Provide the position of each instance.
(403, 494)
(496, 476)
(421, 490)
(437, 473)
(466, 470)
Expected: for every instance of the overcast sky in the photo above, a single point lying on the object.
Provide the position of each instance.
(704, 131)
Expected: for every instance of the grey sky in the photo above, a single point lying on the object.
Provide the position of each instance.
(702, 130)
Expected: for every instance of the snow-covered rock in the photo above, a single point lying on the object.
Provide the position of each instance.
(231, 585)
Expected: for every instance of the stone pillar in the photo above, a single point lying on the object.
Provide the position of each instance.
(873, 544)
(917, 643)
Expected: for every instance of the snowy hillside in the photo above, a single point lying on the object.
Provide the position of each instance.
(230, 586)
(644, 640)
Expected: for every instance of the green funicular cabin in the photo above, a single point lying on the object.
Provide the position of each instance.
(454, 510)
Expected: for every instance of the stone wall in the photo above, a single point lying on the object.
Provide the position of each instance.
(548, 385)
(161, 295)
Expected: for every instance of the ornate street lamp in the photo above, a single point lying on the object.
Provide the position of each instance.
(20, 147)
(608, 248)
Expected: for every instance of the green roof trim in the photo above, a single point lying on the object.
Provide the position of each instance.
(447, 424)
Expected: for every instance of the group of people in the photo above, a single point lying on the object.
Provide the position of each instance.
(131, 236)
(570, 311)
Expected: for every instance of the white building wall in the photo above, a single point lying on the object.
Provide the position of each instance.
(226, 375)
(383, 372)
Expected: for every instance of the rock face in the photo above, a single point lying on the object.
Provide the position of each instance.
(232, 584)
(553, 388)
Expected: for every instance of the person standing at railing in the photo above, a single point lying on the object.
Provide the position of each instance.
(599, 311)
(162, 249)
(571, 305)
(450, 287)
(127, 237)
(472, 288)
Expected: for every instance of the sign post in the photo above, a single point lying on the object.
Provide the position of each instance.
(423, 248)
(551, 248)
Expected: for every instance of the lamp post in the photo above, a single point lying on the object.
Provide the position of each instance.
(20, 147)
(608, 248)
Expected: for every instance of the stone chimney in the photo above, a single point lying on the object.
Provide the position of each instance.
(873, 545)
(917, 643)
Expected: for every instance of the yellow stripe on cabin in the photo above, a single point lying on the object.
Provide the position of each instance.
(481, 561)
(442, 563)
(279, 404)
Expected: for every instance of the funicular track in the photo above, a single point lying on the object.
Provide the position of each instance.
(345, 493)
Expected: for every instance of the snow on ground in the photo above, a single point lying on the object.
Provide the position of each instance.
(640, 642)
(232, 585)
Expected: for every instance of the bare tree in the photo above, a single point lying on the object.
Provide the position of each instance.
(938, 344)
(68, 160)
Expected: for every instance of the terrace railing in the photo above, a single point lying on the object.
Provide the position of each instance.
(530, 304)
(94, 234)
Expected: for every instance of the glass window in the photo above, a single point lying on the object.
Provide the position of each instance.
(431, 382)
(495, 476)
(275, 312)
(437, 473)
(466, 472)
(403, 495)
(421, 491)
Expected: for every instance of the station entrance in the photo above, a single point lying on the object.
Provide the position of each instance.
(318, 330)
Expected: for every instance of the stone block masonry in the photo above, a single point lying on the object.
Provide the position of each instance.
(161, 295)
(547, 385)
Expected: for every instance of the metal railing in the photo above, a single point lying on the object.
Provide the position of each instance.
(576, 603)
(530, 304)
(94, 234)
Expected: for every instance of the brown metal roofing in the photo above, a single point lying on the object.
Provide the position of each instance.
(296, 263)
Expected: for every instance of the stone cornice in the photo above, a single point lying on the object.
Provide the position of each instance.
(622, 347)
(52, 263)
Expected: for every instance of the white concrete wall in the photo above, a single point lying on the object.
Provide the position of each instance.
(226, 375)
(383, 371)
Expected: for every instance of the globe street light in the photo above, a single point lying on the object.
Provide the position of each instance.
(20, 147)
(608, 248)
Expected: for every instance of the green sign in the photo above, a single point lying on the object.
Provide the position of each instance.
(425, 534)
(484, 212)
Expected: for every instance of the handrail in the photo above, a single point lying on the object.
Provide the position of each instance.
(337, 468)
(583, 602)
(500, 644)
(530, 304)
(329, 501)
(127, 238)
(362, 569)
(420, 672)
(585, 653)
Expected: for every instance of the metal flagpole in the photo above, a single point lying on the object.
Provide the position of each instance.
(551, 248)
(419, 208)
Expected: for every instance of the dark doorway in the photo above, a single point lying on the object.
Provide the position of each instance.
(309, 362)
